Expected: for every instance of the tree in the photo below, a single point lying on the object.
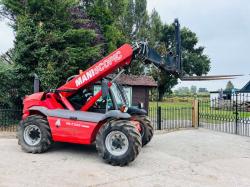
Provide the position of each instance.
(229, 86)
(54, 39)
(108, 14)
(134, 26)
(156, 28)
(182, 91)
(202, 90)
(193, 57)
(193, 89)
(122, 21)
(8, 87)
(7, 57)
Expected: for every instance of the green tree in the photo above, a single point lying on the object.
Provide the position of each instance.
(136, 21)
(56, 38)
(156, 28)
(8, 88)
(108, 15)
(7, 57)
(53, 40)
(193, 89)
(229, 86)
(122, 21)
(193, 57)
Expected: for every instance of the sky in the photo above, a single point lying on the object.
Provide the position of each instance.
(222, 26)
(6, 36)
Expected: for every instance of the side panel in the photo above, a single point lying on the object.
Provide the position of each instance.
(36, 100)
(71, 131)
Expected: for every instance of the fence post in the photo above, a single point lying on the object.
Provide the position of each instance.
(195, 113)
(158, 118)
(236, 114)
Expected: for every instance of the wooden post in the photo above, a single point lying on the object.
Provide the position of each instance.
(195, 114)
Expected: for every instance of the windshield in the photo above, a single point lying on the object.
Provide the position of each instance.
(118, 94)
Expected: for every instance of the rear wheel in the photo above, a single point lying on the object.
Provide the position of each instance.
(34, 134)
(118, 142)
(147, 130)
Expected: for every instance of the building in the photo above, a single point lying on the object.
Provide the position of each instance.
(246, 88)
(137, 88)
(226, 95)
(202, 90)
(228, 99)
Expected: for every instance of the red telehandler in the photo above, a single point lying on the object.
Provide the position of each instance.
(73, 114)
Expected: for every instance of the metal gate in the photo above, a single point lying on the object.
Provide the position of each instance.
(167, 118)
(229, 113)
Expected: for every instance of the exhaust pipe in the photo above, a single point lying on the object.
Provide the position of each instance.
(36, 83)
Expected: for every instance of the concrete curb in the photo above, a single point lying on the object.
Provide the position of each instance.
(172, 130)
(8, 135)
(12, 135)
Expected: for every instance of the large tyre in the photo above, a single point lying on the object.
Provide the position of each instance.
(34, 134)
(118, 142)
(147, 129)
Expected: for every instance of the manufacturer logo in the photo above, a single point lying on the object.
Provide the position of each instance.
(98, 68)
(58, 123)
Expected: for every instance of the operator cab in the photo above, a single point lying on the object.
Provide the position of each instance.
(114, 100)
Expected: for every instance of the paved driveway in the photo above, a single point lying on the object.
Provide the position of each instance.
(182, 158)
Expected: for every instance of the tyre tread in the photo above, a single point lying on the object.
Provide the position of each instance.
(46, 140)
(133, 133)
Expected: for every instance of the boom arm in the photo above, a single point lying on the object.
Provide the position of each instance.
(120, 58)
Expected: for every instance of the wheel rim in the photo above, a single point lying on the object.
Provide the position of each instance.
(117, 143)
(32, 135)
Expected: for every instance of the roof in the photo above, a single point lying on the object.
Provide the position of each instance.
(135, 80)
(246, 87)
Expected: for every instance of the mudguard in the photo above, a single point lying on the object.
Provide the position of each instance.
(138, 111)
(80, 115)
(41, 109)
(116, 114)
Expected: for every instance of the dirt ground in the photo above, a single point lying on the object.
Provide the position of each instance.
(190, 158)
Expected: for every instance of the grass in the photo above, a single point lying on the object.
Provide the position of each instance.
(170, 104)
(183, 111)
(171, 111)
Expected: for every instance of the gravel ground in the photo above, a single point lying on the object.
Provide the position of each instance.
(181, 158)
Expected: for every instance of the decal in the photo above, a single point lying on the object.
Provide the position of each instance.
(101, 66)
(75, 124)
(58, 123)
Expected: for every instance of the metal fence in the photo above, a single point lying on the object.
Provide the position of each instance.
(9, 118)
(161, 117)
(230, 114)
(170, 117)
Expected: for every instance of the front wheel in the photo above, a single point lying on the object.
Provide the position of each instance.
(147, 130)
(34, 134)
(118, 142)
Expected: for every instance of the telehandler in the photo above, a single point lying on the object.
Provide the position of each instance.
(73, 114)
